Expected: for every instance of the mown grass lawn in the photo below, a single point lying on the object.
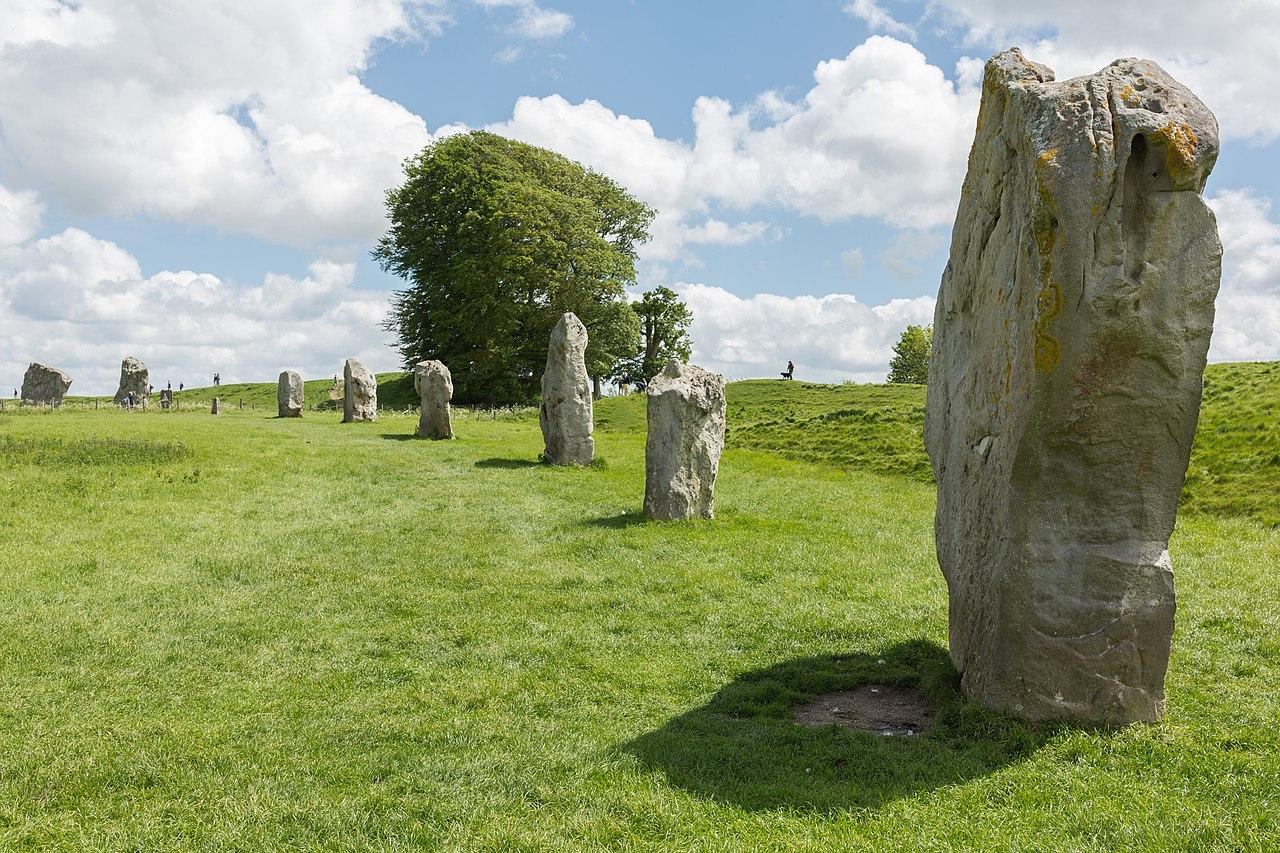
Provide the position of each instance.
(242, 633)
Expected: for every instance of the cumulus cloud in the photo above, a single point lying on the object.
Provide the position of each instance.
(226, 114)
(1225, 52)
(82, 304)
(830, 338)
(1248, 320)
(882, 134)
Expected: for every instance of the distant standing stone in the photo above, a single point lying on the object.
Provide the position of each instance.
(1069, 347)
(133, 378)
(289, 394)
(686, 411)
(434, 384)
(44, 386)
(565, 413)
(360, 401)
(216, 409)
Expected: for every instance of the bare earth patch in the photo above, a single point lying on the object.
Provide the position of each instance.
(883, 709)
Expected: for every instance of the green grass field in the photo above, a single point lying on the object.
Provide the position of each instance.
(243, 633)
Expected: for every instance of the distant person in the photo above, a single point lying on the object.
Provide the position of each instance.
(128, 400)
(150, 388)
(791, 371)
(168, 386)
(217, 379)
(15, 393)
(179, 386)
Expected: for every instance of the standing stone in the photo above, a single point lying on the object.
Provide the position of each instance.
(565, 413)
(1069, 346)
(216, 408)
(133, 377)
(289, 395)
(361, 393)
(44, 386)
(686, 409)
(434, 385)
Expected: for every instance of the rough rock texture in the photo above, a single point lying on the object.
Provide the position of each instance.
(133, 377)
(1069, 345)
(434, 384)
(360, 401)
(216, 408)
(44, 386)
(289, 394)
(565, 413)
(682, 451)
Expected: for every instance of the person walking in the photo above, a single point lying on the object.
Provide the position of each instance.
(791, 370)
(179, 386)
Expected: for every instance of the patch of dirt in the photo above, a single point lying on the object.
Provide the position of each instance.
(883, 709)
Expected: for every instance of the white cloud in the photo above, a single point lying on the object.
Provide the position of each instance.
(1248, 321)
(227, 114)
(532, 20)
(508, 54)
(853, 261)
(882, 134)
(83, 304)
(909, 250)
(878, 19)
(830, 338)
(1224, 52)
(717, 232)
(20, 215)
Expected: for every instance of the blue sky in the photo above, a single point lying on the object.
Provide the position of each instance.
(179, 179)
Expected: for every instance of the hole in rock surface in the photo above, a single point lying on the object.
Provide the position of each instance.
(883, 709)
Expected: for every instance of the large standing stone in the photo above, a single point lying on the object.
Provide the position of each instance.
(1069, 345)
(216, 407)
(44, 386)
(434, 385)
(289, 395)
(133, 377)
(361, 392)
(565, 413)
(686, 434)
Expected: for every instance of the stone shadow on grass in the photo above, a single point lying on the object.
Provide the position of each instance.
(510, 464)
(398, 436)
(743, 747)
(620, 521)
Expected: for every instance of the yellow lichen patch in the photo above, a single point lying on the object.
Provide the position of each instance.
(1129, 96)
(1180, 151)
(1048, 354)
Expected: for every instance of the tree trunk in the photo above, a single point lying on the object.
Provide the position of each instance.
(597, 390)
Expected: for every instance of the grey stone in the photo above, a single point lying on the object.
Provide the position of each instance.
(565, 413)
(133, 377)
(216, 408)
(434, 385)
(44, 386)
(289, 394)
(686, 413)
(1070, 338)
(360, 388)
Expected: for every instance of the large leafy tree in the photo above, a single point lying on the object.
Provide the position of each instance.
(910, 361)
(664, 334)
(496, 239)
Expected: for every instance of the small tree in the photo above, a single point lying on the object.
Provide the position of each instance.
(664, 334)
(911, 356)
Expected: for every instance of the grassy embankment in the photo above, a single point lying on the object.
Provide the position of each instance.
(248, 633)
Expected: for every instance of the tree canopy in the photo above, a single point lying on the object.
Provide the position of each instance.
(496, 240)
(910, 361)
(664, 333)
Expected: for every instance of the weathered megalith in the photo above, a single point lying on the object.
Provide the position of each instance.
(565, 413)
(434, 384)
(133, 377)
(43, 385)
(686, 410)
(361, 392)
(1069, 346)
(289, 395)
(216, 408)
